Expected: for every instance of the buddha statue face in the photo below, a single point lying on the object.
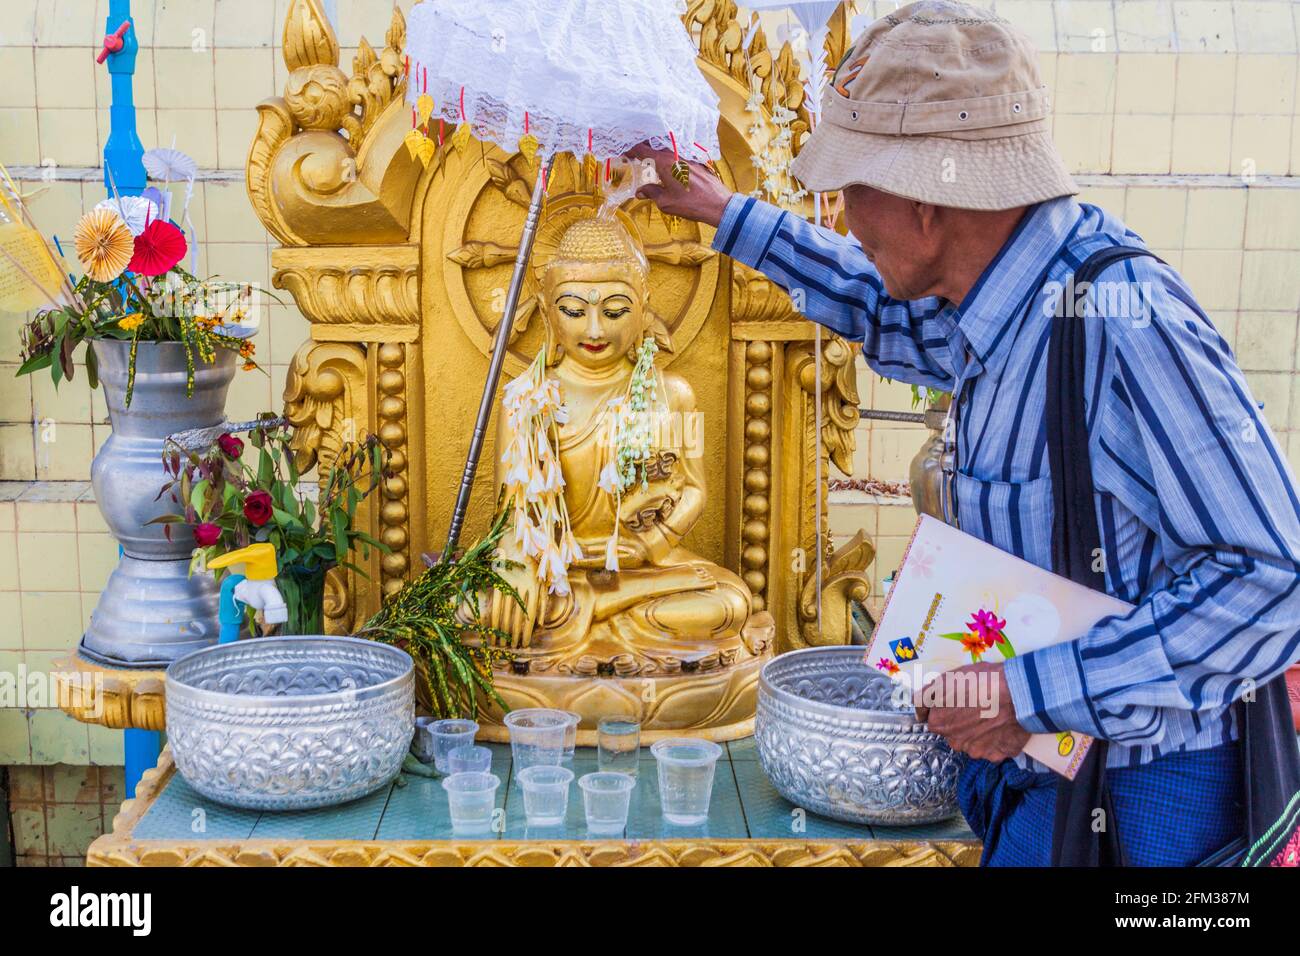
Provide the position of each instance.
(597, 323)
(594, 294)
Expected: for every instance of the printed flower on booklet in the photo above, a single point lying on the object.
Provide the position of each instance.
(985, 631)
(988, 626)
(888, 666)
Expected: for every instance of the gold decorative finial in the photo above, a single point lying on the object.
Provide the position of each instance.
(308, 37)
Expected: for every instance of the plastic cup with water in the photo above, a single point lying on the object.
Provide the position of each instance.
(605, 799)
(536, 736)
(546, 794)
(469, 759)
(618, 744)
(471, 797)
(685, 778)
(571, 734)
(447, 735)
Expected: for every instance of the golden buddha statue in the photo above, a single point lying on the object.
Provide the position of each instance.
(635, 603)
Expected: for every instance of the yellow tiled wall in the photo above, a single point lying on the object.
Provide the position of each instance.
(1179, 115)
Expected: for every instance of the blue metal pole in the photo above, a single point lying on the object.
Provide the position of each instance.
(123, 154)
(141, 749)
(124, 160)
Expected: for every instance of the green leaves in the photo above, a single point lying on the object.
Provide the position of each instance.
(423, 618)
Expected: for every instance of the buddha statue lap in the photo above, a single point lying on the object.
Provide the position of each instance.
(666, 617)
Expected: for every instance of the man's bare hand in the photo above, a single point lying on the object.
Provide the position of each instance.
(703, 199)
(971, 708)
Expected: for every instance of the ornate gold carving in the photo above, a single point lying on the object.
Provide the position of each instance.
(353, 285)
(394, 512)
(302, 174)
(378, 79)
(324, 399)
(839, 399)
(842, 577)
(757, 507)
(121, 848)
(755, 298)
(116, 698)
(843, 582)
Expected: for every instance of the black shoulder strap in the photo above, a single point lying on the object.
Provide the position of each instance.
(1076, 540)
(1076, 550)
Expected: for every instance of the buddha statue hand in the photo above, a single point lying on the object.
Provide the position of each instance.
(500, 610)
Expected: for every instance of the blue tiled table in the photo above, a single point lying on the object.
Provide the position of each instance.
(407, 823)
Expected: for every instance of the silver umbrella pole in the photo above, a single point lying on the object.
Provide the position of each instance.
(499, 345)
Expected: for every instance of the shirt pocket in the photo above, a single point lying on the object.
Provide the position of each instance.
(1015, 516)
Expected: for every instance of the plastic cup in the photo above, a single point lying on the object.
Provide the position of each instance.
(546, 794)
(571, 733)
(605, 799)
(686, 778)
(618, 744)
(471, 798)
(536, 736)
(469, 759)
(447, 735)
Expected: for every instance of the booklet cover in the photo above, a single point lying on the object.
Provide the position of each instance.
(958, 600)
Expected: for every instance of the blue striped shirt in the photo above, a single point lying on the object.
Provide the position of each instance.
(1197, 506)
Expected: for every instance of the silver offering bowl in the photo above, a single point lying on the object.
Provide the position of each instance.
(290, 723)
(833, 738)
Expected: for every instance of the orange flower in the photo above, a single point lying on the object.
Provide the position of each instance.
(975, 644)
(104, 244)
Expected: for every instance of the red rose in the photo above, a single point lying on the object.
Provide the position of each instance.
(206, 534)
(257, 508)
(230, 446)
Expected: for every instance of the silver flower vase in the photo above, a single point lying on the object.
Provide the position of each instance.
(151, 611)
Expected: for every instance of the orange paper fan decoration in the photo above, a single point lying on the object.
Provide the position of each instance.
(157, 249)
(104, 244)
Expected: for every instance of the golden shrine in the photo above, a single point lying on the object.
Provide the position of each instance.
(401, 267)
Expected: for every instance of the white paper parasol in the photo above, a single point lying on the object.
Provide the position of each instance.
(169, 165)
(136, 211)
(545, 77)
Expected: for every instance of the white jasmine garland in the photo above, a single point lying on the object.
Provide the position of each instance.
(534, 483)
(632, 433)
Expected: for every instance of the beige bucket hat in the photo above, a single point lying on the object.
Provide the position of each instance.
(942, 103)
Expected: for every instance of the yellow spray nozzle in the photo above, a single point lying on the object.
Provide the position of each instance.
(258, 560)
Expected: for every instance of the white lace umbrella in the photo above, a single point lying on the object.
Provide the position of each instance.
(549, 76)
(580, 76)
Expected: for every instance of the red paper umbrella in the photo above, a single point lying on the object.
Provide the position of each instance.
(157, 249)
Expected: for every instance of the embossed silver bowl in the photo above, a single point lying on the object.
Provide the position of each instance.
(832, 741)
(289, 723)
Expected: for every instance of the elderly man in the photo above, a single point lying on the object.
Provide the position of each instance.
(935, 128)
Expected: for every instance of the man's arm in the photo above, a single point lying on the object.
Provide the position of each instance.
(1177, 440)
(829, 277)
(832, 282)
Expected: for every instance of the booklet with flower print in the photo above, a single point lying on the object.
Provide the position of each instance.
(958, 600)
